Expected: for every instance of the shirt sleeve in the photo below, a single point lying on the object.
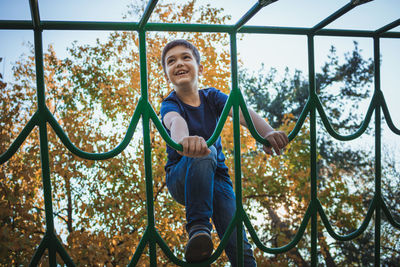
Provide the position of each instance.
(168, 106)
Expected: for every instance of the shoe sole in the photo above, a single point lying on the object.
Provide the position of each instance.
(199, 248)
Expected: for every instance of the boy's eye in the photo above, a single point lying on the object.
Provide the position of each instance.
(170, 61)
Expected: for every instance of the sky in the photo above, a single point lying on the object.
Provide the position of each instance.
(278, 51)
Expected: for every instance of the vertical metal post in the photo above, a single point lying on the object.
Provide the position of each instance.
(236, 141)
(378, 148)
(147, 149)
(313, 150)
(44, 148)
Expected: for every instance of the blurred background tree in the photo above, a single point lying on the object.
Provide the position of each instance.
(100, 206)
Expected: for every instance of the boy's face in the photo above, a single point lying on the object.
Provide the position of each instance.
(181, 68)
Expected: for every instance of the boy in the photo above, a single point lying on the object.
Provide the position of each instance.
(197, 177)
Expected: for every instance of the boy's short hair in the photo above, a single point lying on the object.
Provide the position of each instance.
(179, 42)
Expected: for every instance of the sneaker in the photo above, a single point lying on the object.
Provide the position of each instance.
(200, 245)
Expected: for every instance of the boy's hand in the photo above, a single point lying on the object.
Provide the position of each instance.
(194, 147)
(278, 140)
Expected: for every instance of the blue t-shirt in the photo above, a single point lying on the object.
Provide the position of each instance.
(201, 121)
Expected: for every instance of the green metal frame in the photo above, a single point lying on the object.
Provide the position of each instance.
(144, 109)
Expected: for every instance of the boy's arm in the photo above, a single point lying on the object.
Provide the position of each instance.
(193, 146)
(277, 139)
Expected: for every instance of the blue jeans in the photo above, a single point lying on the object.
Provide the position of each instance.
(193, 182)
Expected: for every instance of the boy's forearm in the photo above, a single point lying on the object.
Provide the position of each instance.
(262, 127)
(179, 129)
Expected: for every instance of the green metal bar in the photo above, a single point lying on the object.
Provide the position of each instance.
(98, 156)
(360, 2)
(378, 148)
(333, 17)
(355, 33)
(222, 120)
(388, 27)
(34, 7)
(285, 248)
(147, 13)
(217, 252)
(313, 151)
(147, 148)
(52, 255)
(354, 234)
(134, 26)
(16, 25)
(359, 132)
(235, 100)
(63, 253)
(39, 252)
(90, 25)
(246, 17)
(163, 131)
(253, 131)
(20, 139)
(139, 250)
(236, 141)
(210, 141)
(389, 215)
(181, 27)
(44, 148)
(386, 113)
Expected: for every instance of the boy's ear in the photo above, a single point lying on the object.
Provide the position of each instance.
(201, 68)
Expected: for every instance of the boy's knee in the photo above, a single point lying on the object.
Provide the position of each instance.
(213, 152)
(212, 157)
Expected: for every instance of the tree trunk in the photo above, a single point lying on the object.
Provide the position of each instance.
(69, 205)
(294, 253)
(325, 251)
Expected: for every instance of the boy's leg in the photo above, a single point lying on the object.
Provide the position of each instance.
(224, 210)
(191, 182)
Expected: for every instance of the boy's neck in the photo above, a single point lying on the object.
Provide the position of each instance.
(189, 96)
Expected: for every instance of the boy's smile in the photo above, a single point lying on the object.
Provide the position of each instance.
(182, 69)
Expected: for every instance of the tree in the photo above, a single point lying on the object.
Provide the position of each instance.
(21, 203)
(100, 206)
(341, 87)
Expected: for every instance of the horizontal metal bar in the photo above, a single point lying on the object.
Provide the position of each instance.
(274, 30)
(356, 33)
(90, 25)
(181, 27)
(134, 26)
